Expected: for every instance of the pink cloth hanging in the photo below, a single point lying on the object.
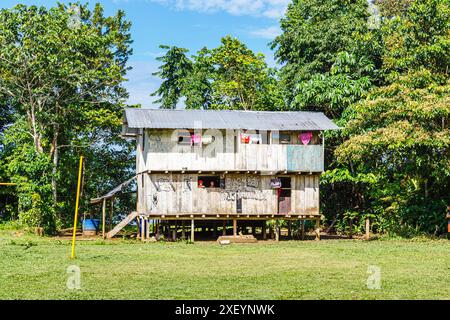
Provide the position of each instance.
(306, 137)
(196, 139)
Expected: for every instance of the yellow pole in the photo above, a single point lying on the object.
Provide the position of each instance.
(7, 184)
(76, 208)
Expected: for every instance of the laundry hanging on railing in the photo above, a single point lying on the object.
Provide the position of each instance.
(305, 137)
(196, 139)
(250, 138)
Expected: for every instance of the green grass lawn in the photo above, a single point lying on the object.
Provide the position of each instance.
(35, 268)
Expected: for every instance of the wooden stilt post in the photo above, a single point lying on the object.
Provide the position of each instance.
(367, 228)
(103, 218)
(157, 230)
(350, 232)
(290, 229)
(234, 228)
(174, 231)
(224, 228)
(303, 229)
(111, 214)
(277, 231)
(317, 229)
(264, 233)
(192, 230)
(147, 228)
(141, 228)
(183, 230)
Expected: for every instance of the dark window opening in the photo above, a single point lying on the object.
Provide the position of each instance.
(285, 138)
(285, 182)
(210, 182)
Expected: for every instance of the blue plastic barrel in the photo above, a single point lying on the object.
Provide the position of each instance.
(91, 224)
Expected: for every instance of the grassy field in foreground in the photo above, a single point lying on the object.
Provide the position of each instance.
(35, 268)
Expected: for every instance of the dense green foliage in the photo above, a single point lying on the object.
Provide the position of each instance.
(324, 49)
(401, 131)
(61, 71)
(382, 75)
(387, 87)
(380, 71)
(230, 76)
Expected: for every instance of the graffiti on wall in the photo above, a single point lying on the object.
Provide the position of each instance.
(187, 184)
(163, 184)
(243, 188)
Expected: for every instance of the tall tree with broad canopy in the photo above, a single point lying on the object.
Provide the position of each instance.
(174, 69)
(61, 71)
(326, 53)
(330, 52)
(230, 76)
(401, 131)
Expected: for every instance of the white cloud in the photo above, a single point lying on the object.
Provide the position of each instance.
(273, 9)
(266, 33)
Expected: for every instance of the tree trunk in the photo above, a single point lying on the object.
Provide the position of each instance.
(35, 134)
(55, 168)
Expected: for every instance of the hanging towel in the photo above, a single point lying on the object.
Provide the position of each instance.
(306, 137)
(196, 139)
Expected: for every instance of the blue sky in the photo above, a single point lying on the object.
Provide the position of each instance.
(191, 24)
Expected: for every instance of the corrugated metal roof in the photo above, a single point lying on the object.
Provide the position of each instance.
(227, 119)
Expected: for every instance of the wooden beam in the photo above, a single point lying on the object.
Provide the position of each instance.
(367, 229)
(111, 213)
(142, 229)
(147, 228)
(317, 229)
(264, 233)
(277, 231)
(183, 231)
(122, 224)
(302, 233)
(103, 218)
(192, 230)
(157, 230)
(234, 228)
(290, 229)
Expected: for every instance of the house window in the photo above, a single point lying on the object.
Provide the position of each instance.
(281, 137)
(189, 137)
(210, 182)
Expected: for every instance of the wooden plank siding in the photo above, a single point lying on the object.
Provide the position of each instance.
(173, 194)
(163, 153)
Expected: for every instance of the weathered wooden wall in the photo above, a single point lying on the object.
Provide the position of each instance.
(162, 152)
(176, 193)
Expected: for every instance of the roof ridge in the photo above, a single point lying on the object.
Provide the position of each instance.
(225, 110)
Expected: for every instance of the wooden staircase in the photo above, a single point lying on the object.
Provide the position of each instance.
(122, 224)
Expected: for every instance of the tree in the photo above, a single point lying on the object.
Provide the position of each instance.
(230, 76)
(401, 131)
(315, 35)
(174, 70)
(61, 71)
(392, 8)
(198, 88)
(330, 53)
(240, 77)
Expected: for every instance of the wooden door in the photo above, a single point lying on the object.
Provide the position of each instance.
(284, 196)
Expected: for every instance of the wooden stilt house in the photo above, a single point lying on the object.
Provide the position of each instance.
(226, 166)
